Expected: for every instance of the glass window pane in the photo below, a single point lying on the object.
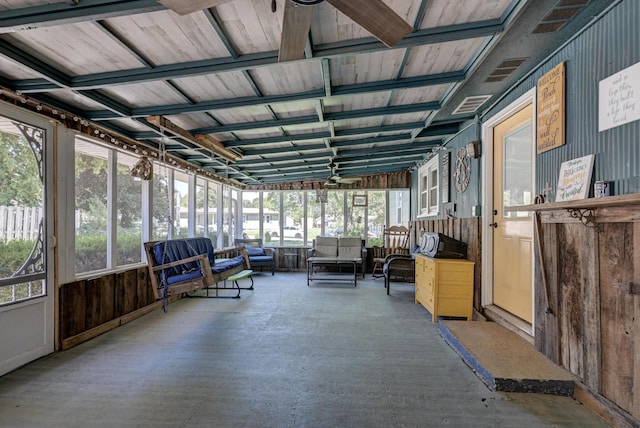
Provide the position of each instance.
(271, 217)
(376, 217)
(293, 214)
(21, 212)
(517, 169)
(161, 211)
(181, 204)
(230, 215)
(334, 214)
(251, 215)
(201, 187)
(399, 205)
(355, 217)
(314, 217)
(212, 202)
(91, 177)
(129, 225)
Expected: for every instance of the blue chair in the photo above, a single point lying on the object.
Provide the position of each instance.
(259, 256)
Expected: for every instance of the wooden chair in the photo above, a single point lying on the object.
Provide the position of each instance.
(395, 241)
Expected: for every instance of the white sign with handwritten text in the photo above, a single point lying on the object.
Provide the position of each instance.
(619, 98)
(575, 179)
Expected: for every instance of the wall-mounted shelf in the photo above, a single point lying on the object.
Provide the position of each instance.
(584, 210)
(590, 203)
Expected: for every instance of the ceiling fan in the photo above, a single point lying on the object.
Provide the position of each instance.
(334, 179)
(373, 15)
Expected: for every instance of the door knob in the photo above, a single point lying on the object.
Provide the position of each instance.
(494, 225)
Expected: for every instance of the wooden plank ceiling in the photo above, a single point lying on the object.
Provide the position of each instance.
(370, 108)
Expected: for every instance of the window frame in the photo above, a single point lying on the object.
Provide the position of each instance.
(428, 204)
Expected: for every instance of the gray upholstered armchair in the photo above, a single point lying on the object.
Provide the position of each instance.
(259, 255)
(398, 267)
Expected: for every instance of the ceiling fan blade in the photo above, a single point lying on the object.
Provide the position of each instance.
(376, 17)
(295, 31)
(185, 7)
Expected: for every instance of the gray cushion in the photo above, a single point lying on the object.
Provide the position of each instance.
(350, 248)
(254, 251)
(326, 246)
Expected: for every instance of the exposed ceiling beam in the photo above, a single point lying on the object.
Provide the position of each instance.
(249, 61)
(203, 141)
(434, 131)
(328, 116)
(344, 157)
(353, 89)
(51, 14)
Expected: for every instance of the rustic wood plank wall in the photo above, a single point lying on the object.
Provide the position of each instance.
(467, 230)
(594, 327)
(89, 303)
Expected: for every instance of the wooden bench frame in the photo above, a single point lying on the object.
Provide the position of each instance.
(208, 280)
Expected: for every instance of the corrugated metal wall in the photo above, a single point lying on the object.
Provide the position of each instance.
(608, 46)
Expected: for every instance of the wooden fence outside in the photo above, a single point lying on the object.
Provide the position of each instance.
(19, 222)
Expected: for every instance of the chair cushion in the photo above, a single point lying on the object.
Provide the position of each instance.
(226, 264)
(174, 279)
(254, 251)
(326, 246)
(260, 259)
(349, 248)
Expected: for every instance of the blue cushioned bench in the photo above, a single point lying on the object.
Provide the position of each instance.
(184, 265)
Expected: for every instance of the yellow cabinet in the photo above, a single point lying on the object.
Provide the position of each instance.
(445, 286)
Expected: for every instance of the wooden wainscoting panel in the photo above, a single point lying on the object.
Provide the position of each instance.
(617, 314)
(126, 292)
(570, 309)
(100, 300)
(546, 335)
(72, 309)
(635, 332)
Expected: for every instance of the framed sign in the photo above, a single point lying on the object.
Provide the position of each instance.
(575, 179)
(619, 98)
(550, 109)
(359, 200)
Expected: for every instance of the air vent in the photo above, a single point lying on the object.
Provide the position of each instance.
(471, 104)
(505, 69)
(559, 16)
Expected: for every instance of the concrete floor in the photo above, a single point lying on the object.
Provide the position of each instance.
(285, 355)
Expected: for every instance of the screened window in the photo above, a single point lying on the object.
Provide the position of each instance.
(429, 188)
(22, 234)
(180, 204)
(91, 187)
(161, 209)
(129, 215)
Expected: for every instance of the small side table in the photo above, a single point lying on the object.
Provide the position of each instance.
(291, 259)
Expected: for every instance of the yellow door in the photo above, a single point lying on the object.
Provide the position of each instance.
(512, 232)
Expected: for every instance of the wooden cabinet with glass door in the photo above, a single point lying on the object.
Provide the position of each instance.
(445, 286)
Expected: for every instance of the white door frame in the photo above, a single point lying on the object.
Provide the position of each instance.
(487, 195)
(38, 313)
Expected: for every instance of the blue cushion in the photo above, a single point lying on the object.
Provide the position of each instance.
(258, 259)
(254, 251)
(176, 249)
(224, 265)
(174, 279)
